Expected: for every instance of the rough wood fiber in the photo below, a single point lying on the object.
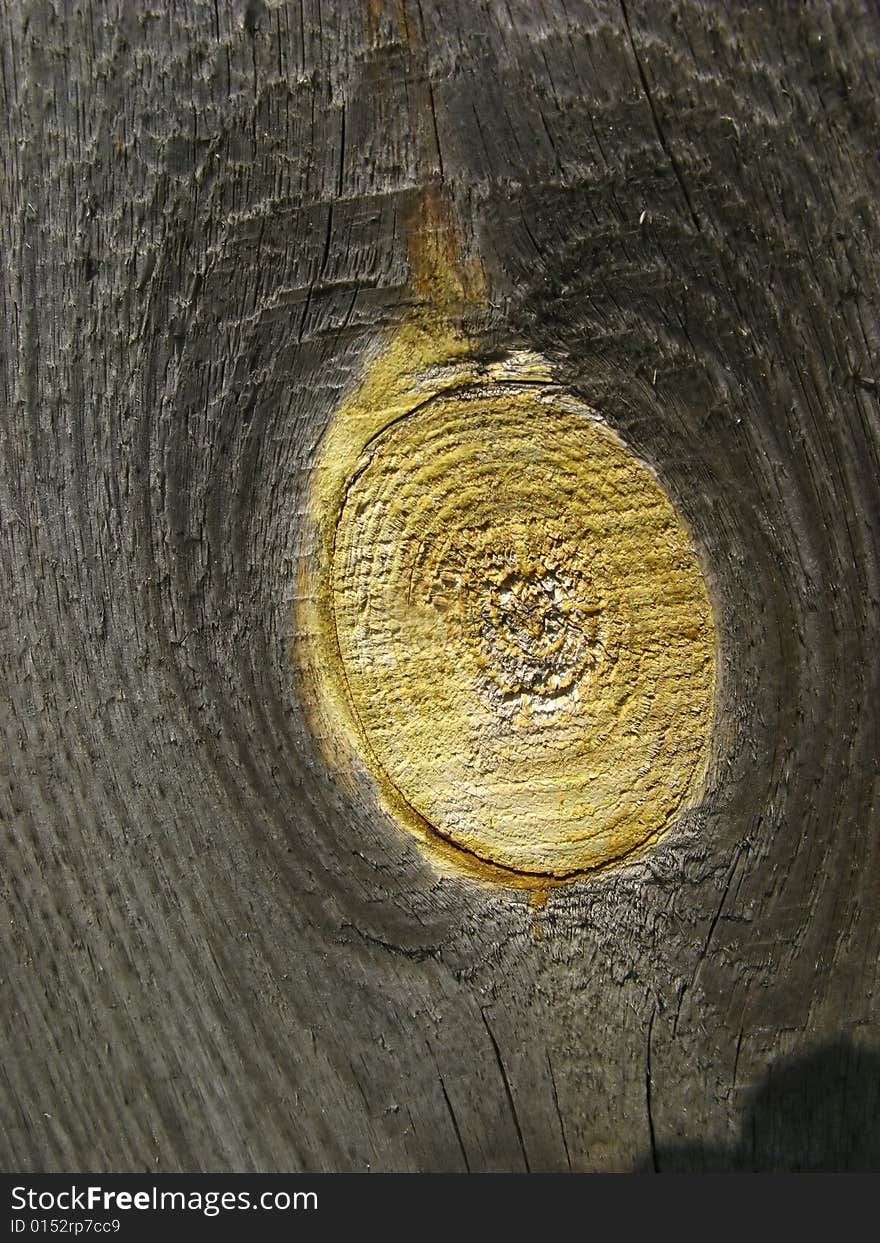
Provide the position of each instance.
(214, 957)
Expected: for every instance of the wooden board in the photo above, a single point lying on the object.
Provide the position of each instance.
(218, 957)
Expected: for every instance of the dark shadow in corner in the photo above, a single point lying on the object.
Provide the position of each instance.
(816, 1114)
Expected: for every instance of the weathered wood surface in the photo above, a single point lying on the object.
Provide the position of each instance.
(213, 959)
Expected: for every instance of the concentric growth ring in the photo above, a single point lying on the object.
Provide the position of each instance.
(525, 634)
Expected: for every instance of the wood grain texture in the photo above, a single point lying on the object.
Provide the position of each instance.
(524, 647)
(214, 958)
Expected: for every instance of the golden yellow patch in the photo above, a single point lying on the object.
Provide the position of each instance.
(505, 622)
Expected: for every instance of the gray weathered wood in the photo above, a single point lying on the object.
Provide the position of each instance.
(212, 959)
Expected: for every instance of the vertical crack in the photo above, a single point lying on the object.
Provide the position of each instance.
(741, 848)
(455, 1127)
(508, 1092)
(558, 1111)
(657, 126)
(655, 1162)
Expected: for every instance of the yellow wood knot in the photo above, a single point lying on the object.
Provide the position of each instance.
(505, 621)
